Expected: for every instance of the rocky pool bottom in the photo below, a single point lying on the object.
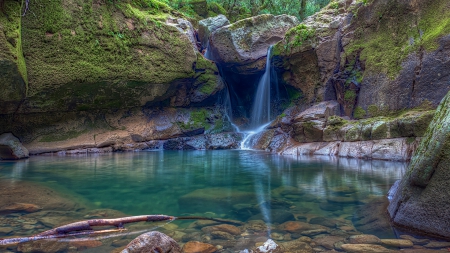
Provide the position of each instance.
(305, 204)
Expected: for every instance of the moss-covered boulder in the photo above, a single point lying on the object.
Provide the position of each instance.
(98, 55)
(207, 26)
(243, 45)
(13, 73)
(421, 201)
(90, 63)
(386, 54)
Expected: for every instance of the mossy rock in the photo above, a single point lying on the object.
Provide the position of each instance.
(420, 200)
(110, 55)
(200, 7)
(13, 73)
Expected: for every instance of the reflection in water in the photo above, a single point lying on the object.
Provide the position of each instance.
(233, 184)
(152, 182)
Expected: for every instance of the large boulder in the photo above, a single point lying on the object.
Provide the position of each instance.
(336, 54)
(79, 78)
(421, 201)
(152, 242)
(11, 148)
(207, 26)
(12, 64)
(243, 45)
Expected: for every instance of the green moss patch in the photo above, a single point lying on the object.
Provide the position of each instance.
(11, 37)
(394, 32)
(95, 47)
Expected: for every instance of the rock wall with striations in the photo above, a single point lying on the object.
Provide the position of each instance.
(421, 201)
(74, 71)
(378, 55)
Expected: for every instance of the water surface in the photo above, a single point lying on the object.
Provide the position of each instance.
(234, 184)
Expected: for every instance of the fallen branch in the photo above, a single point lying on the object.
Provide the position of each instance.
(86, 227)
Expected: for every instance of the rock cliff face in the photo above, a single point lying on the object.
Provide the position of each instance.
(88, 63)
(319, 130)
(420, 201)
(378, 55)
(242, 46)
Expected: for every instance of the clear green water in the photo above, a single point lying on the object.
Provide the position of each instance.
(164, 182)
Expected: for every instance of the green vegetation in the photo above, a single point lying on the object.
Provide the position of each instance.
(384, 47)
(237, 10)
(87, 44)
(197, 119)
(334, 5)
(359, 113)
(11, 43)
(349, 95)
(296, 36)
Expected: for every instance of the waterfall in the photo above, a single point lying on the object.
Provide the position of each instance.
(260, 113)
(208, 54)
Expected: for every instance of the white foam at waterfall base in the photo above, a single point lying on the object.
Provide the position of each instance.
(246, 143)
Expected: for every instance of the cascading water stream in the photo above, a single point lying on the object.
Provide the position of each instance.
(261, 106)
(260, 114)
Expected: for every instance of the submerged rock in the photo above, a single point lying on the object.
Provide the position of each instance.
(48, 246)
(20, 207)
(420, 202)
(216, 198)
(11, 148)
(363, 239)
(400, 243)
(152, 242)
(198, 247)
(367, 248)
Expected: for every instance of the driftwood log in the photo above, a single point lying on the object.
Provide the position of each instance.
(83, 228)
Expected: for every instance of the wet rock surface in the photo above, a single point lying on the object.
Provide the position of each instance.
(319, 130)
(11, 148)
(207, 26)
(243, 45)
(152, 242)
(418, 201)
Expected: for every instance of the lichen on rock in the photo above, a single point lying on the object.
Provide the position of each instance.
(421, 201)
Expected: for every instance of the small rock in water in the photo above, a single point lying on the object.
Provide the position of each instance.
(20, 207)
(437, 244)
(5, 230)
(223, 228)
(153, 242)
(222, 235)
(363, 239)
(295, 226)
(366, 248)
(400, 243)
(314, 232)
(277, 236)
(298, 246)
(198, 247)
(415, 240)
(328, 242)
